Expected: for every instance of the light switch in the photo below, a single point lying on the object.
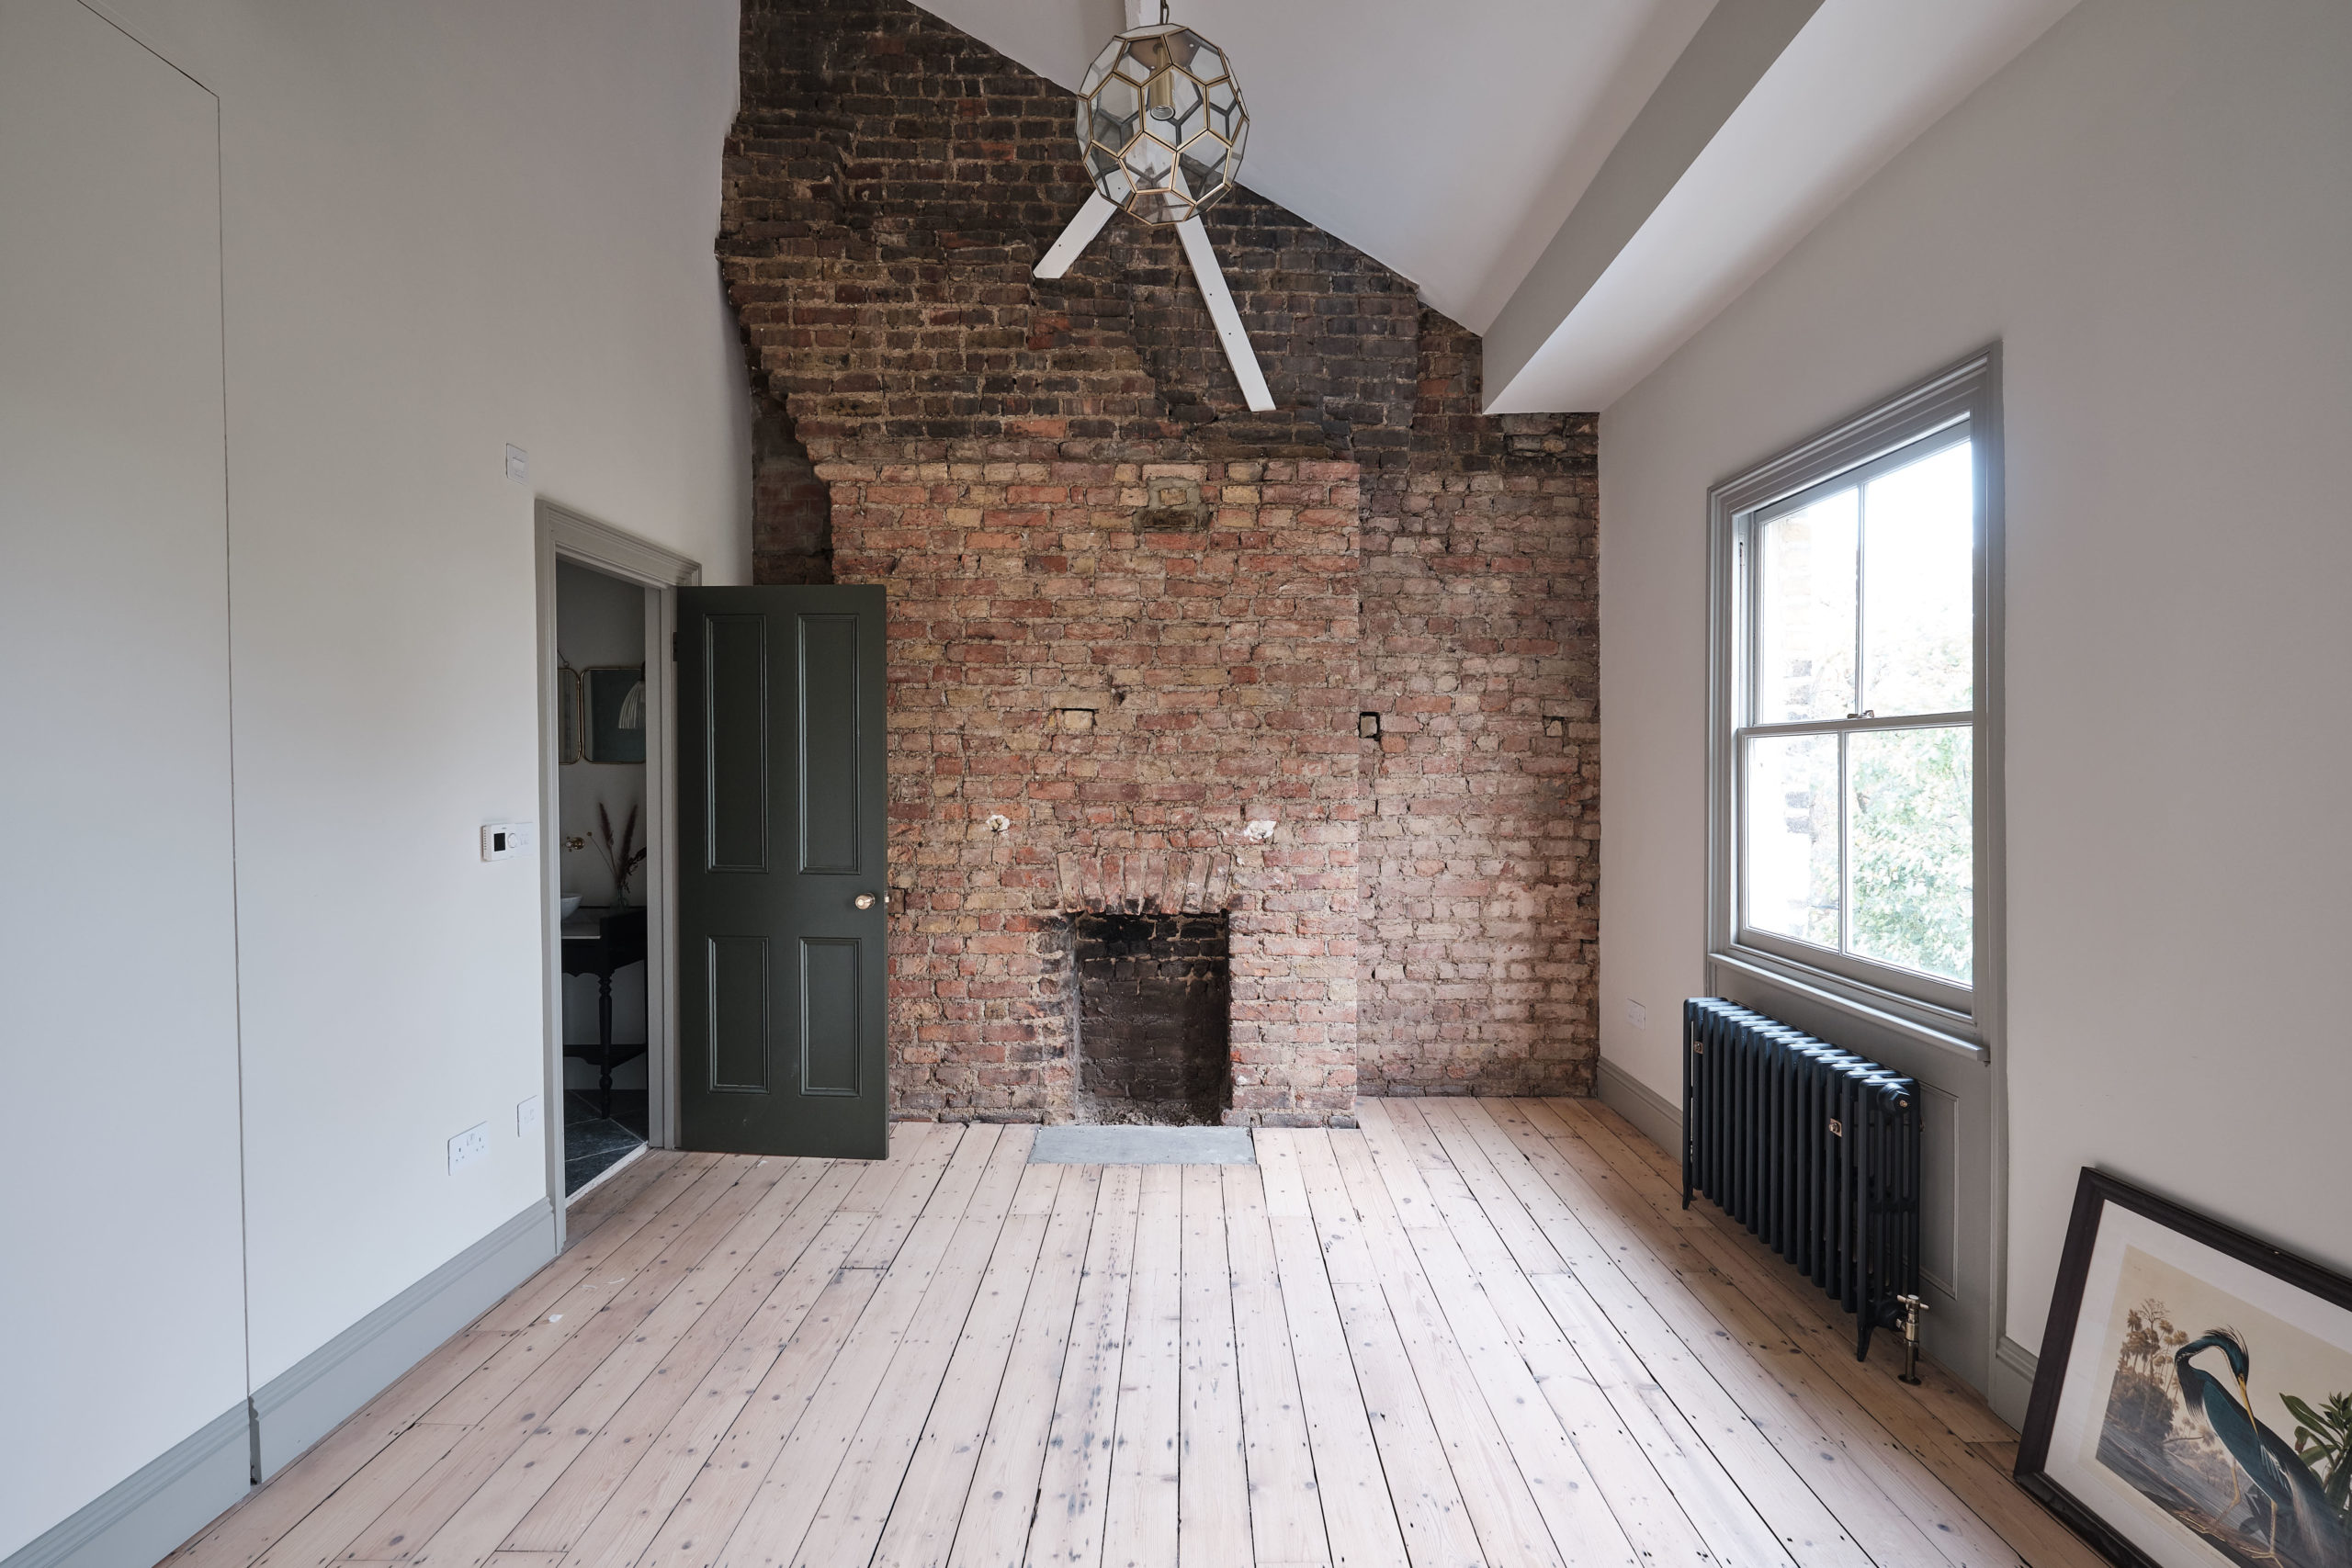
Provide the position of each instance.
(1636, 1014)
(526, 1117)
(518, 465)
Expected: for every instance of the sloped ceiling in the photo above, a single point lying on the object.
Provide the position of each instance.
(1448, 141)
(1460, 143)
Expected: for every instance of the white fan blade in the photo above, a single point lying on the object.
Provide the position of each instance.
(1077, 236)
(1211, 278)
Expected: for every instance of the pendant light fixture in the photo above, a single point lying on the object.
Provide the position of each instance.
(1161, 126)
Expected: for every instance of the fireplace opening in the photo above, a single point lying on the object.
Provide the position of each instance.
(1154, 1008)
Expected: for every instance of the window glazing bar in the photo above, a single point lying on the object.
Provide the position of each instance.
(1852, 726)
(1845, 855)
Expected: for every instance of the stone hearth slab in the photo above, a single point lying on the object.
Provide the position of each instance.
(1142, 1145)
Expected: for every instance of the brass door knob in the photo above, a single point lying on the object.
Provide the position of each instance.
(865, 900)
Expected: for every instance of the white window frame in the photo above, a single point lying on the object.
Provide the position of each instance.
(1896, 431)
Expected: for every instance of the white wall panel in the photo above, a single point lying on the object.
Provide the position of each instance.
(121, 1312)
(448, 227)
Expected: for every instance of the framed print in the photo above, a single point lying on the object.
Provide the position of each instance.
(615, 713)
(2193, 1404)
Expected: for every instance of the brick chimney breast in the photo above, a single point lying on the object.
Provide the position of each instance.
(1075, 516)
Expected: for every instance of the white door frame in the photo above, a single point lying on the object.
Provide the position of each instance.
(561, 534)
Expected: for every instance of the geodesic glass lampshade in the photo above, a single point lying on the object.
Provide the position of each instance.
(1161, 123)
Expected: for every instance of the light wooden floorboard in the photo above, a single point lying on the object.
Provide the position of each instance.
(1506, 1503)
(1212, 1474)
(1272, 1339)
(855, 1507)
(992, 1529)
(1070, 1493)
(741, 1319)
(1471, 1333)
(1036, 1259)
(1141, 1504)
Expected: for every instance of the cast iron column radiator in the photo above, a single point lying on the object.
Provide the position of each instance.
(1815, 1150)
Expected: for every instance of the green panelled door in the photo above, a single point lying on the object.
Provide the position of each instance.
(782, 902)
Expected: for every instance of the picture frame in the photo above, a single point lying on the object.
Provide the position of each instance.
(567, 716)
(612, 713)
(2192, 1407)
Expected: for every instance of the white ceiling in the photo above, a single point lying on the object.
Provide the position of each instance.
(1448, 141)
(1455, 143)
(1853, 88)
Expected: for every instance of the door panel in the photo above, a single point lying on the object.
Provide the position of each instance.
(829, 993)
(828, 684)
(740, 1023)
(737, 726)
(782, 807)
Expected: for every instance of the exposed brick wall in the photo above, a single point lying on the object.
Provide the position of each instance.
(1480, 858)
(1075, 516)
(792, 509)
(889, 183)
(1216, 668)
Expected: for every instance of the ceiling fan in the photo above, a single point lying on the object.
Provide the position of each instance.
(1161, 126)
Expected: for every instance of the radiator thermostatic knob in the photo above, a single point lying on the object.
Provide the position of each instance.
(865, 900)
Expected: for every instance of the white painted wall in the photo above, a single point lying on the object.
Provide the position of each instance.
(444, 227)
(2152, 210)
(449, 227)
(121, 1302)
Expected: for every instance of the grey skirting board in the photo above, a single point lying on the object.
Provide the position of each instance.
(140, 1518)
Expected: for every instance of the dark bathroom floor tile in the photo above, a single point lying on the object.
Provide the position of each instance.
(592, 1143)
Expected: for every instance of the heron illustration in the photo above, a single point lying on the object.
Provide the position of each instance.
(2301, 1519)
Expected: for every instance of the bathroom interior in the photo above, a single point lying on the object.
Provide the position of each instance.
(600, 639)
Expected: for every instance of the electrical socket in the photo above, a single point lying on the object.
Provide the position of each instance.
(1636, 1014)
(526, 1117)
(468, 1147)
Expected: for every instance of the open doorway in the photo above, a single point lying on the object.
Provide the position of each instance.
(604, 823)
(607, 611)
(763, 730)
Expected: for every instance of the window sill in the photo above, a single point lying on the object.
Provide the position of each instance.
(1913, 1021)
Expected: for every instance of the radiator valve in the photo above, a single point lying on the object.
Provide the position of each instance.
(1912, 1307)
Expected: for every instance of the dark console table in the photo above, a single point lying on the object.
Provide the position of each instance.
(601, 942)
